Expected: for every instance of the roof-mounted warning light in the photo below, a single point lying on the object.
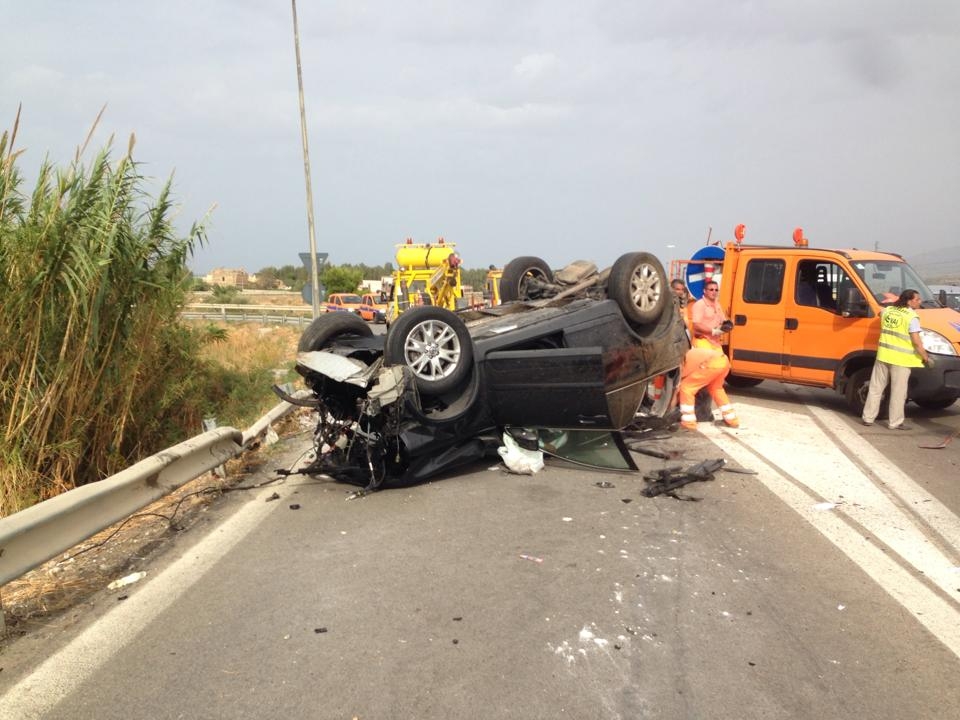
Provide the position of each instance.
(409, 241)
(738, 232)
(798, 239)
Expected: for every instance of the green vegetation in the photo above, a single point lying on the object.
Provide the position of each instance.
(96, 372)
(341, 278)
(330, 275)
(226, 295)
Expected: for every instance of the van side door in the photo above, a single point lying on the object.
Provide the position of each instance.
(818, 337)
(757, 312)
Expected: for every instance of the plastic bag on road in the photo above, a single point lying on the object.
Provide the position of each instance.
(519, 460)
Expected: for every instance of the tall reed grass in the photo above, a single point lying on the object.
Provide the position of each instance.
(95, 371)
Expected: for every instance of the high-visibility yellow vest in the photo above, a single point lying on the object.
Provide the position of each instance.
(895, 346)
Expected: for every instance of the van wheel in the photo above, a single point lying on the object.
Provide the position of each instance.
(638, 284)
(436, 346)
(517, 274)
(327, 328)
(858, 386)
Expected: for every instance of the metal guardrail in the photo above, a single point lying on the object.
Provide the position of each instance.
(34, 535)
(279, 314)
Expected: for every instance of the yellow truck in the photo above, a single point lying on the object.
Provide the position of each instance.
(491, 290)
(426, 274)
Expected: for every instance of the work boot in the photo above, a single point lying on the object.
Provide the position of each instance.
(688, 425)
(731, 422)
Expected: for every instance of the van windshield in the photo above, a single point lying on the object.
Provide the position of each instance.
(887, 279)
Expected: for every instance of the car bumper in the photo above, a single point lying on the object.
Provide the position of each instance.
(939, 381)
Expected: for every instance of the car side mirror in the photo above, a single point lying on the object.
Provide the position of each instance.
(942, 298)
(853, 304)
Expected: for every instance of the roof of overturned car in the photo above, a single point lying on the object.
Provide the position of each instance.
(575, 348)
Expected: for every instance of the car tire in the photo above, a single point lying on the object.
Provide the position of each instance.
(516, 274)
(638, 284)
(435, 344)
(739, 381)
(326, 328)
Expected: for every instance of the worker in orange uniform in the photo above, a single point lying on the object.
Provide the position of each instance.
(704, 367)
(707, 317)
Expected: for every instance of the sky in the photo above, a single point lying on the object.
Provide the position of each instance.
(564, 129)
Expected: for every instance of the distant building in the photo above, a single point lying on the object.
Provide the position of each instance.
(229, 277)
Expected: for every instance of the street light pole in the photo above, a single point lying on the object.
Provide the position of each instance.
(314, 270)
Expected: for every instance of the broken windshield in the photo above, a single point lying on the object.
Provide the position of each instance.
(594, 448)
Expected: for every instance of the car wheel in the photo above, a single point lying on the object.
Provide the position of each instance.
(326, 328)
(517, 274)
(739, 381)
(936, 404)
(436, 346)
(638, 284)
(858, 387)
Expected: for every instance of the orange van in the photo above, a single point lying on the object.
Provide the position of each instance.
(372, 308)
(811, 316)
(344, 301)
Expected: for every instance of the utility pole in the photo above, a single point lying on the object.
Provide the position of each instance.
(314, 271)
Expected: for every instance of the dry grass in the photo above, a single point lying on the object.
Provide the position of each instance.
(249, 346)
(258, 297)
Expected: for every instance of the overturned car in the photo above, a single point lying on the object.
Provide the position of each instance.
(572, 349)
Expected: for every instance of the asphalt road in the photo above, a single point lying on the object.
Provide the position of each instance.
(825, 586)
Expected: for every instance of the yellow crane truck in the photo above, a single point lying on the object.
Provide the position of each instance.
(426, 274)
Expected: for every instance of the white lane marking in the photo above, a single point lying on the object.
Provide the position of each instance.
(930, 510)
(827, 473)
(811, 457)
(67, 669)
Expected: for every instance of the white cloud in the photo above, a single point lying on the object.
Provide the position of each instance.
(515, 128)
(534, 67)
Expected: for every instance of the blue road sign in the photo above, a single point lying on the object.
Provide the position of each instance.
(307, 293)
(321, 259)
(709, 268)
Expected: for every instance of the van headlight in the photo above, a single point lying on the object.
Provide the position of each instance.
(934, 342)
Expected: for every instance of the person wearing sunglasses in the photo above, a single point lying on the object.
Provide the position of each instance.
(708, 318)
(706, 365)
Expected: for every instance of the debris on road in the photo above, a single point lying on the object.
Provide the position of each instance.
(739, 471)
(519, 457)
(127, 580)
(531, 558)
(666, 480)
(654, 453)
(943, 443)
